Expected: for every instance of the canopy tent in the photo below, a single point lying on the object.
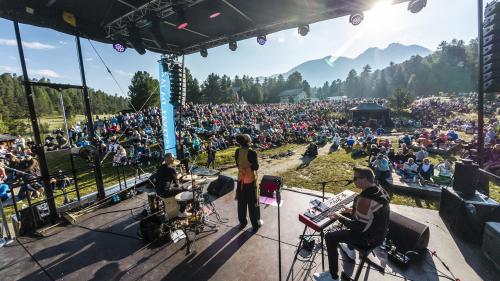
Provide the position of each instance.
(371, 114)
(153, 24)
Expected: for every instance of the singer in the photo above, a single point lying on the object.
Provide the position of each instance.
(367, 222)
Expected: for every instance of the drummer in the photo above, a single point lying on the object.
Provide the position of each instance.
(167, 182)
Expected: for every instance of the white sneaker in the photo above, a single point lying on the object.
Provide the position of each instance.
(349, 252)
(260, 222)
(324, 276)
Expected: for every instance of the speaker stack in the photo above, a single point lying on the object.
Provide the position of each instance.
(465, 177)
(467, 215)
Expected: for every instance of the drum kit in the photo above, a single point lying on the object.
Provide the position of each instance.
(194, 219)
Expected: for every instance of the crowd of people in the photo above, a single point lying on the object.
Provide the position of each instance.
(136, 137)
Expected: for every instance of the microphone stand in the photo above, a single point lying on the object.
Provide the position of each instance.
(278, 198)
(324, 183)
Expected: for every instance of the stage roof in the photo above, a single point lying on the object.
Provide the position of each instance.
(155, 22)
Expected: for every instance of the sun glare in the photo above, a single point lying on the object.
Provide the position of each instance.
(380, 13)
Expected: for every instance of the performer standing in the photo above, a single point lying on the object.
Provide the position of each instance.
(247, 192)
(367, 222)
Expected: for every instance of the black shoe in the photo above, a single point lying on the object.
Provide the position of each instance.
(255, 229)
(242, 225)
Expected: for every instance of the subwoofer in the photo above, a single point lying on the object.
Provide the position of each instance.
(269, 184)
(407, 234)
(221, 186)
(467, 215)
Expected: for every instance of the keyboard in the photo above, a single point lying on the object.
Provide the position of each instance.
(318, 220)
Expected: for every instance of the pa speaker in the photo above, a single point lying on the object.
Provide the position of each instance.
(467, 216)
(407, 234)
(221, 186)
(465, 176)
(270, 184)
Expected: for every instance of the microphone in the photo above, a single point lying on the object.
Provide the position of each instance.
(348, 182)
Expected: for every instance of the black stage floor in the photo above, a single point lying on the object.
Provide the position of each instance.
(89, 252)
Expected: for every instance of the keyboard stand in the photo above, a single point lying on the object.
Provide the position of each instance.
(301, 238)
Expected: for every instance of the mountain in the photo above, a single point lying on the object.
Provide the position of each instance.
(317, 72)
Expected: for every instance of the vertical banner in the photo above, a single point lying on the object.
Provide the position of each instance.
(167, 113)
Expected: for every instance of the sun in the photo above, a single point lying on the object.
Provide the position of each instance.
(380, 15)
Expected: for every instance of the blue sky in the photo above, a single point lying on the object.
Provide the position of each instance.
(53, 55)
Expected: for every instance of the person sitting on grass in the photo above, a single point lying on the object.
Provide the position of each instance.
(421, 155)
(357, 150)
(382, 168)
(445, 173)
(409, 171)
(425, 171)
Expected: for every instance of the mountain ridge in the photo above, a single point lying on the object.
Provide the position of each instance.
(329, 68)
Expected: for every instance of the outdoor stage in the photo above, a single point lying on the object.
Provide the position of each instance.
(78, 253)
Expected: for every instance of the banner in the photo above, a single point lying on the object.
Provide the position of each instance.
(167, 113)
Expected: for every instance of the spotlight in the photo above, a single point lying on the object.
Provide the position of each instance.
(261, 39)
(119, 46)
(303, 30)
(416, 6)
(204, 52)
(180, 10)
(233, 45)
(215, 9)
(356, 19)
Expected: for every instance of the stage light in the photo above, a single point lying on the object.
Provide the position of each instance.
(180, 10)
(119, 46)
(356, 19)
(416, 6)
(261, 39)
(303, 30)
(215, 9)
(204, 52)
(233, 45)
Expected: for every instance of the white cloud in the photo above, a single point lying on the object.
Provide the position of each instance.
(89, 59)
(45, 73)
(29, 45)
(63, 42)
(124, 73)
(6, 68)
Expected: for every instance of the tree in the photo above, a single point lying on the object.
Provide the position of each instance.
(193, 93)
(352, 84)
(143, 90)
(400, 100)
(294, 81)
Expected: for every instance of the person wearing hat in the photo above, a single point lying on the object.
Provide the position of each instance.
(247, 192)
(167, 184)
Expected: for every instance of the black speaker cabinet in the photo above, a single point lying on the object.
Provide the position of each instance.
(465, 176)
(31, 220)
(467, 214)
(407, 234)
(221, 186)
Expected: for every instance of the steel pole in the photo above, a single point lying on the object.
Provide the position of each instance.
(97, 161)
(44, 169)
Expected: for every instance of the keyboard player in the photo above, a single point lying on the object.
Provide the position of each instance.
(367, 222)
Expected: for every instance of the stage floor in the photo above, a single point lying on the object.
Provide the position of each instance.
(85, 252)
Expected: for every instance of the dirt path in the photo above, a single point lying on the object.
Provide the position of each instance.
(276, 166)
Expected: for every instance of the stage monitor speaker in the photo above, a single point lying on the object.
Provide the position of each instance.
(407, 234)
(221, 186)
(30, 223)
(269, 184)
(465, 176)
(150, 228)
(467, 215)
